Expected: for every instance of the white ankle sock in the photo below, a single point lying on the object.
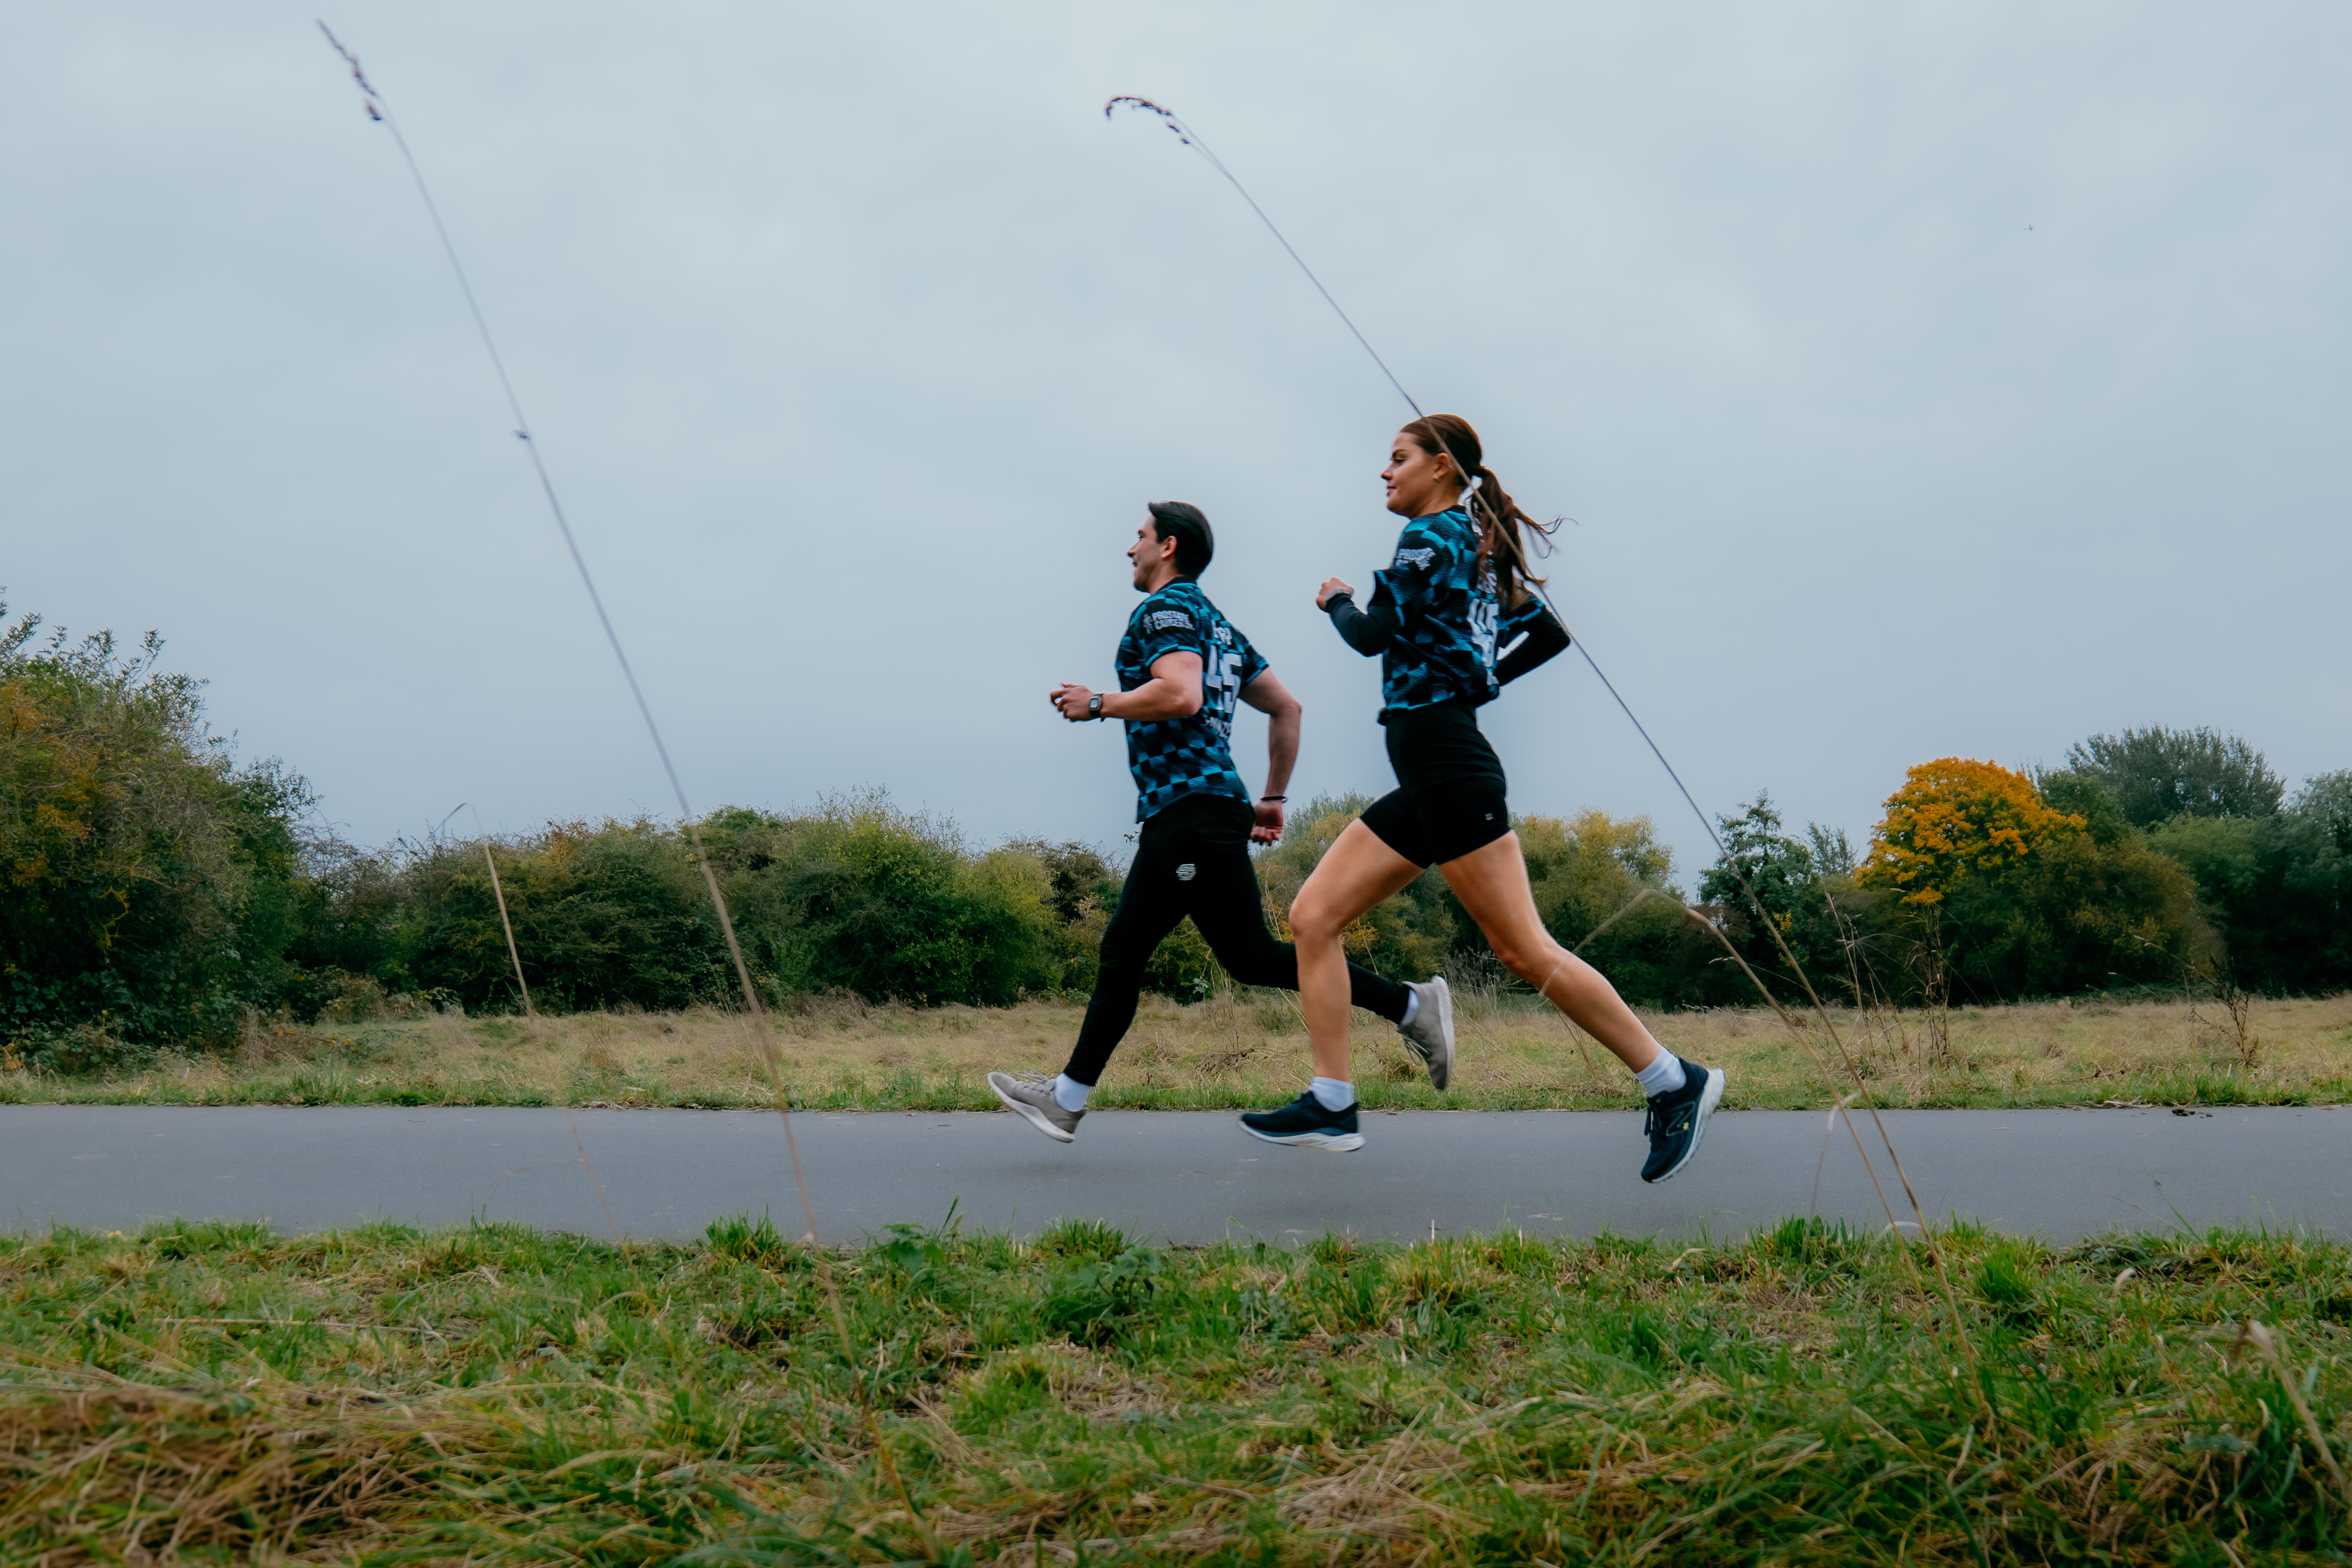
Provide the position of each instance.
(1412, 1008)
(1663, 1076)
(1332, 1093)
(1070, 1093)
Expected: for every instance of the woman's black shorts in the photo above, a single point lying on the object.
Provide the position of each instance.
(1449, 799)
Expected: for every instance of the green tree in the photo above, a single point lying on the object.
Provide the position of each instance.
(2325, 799)
(2155, 773)
(1985, 884)
(2077, 914)
(2081, 794)
(1793, 882)
(2278, 890)
(1760, 861)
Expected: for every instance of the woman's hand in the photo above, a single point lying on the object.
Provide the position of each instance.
(1331, 585)
(1266, 827)
(1070, 702)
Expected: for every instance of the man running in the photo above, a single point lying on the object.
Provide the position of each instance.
(1182, 666)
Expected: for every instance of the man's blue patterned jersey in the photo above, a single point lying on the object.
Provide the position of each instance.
(1448, 621)
(1172, 758)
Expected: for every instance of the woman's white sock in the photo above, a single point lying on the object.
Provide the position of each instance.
(1663, 1076)
(1070, 1093)
(1333, 1093)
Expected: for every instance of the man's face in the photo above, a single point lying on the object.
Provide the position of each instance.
(1147, 552)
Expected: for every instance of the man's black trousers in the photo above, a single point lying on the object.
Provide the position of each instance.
(1193, 859)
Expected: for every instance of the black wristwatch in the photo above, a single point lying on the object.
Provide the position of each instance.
(1094, 706)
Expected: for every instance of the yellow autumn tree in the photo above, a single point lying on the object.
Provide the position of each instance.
(1953, 817)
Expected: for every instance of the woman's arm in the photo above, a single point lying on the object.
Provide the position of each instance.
(1539, 636)
(1366, 631)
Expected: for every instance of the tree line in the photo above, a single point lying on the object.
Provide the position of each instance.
(156, 891)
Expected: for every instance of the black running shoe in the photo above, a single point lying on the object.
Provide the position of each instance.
(1677, 1118)
(1305, 1124)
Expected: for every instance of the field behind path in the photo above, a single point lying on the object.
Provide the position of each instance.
(1238, 1051)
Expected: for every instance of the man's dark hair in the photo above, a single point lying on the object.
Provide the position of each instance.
(1182, 521)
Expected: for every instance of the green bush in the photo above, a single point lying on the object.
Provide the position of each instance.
(602, 916)
(1603, 886)
(152, 885)
(857, 896)
(863, 897)
(156, 891)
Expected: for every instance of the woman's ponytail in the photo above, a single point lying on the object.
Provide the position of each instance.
(1502, 526)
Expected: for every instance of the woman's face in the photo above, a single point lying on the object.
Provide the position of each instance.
(1419, 483)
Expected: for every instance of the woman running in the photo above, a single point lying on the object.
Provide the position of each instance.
(1456, 592)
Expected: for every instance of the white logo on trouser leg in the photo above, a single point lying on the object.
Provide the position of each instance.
(1184, 872)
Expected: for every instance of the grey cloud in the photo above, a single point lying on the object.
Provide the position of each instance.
(1924, 381)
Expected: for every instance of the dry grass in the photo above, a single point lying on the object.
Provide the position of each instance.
(1251, 1049)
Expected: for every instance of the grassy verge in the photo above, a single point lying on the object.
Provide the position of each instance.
(1240, 1051)
(492, 1395)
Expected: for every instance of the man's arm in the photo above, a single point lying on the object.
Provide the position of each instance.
(1173, 692)
(1271, 698)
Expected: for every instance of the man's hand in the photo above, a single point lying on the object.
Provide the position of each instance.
(1070, 702)
(1268, 827)
(1331, 585)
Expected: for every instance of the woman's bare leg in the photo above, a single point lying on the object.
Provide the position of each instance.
(1492, 883)
(1353, 876)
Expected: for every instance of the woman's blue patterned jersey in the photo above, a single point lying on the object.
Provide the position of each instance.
(1172, 758)
(1447, 621)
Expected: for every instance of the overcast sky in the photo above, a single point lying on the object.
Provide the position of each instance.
(1921, 381)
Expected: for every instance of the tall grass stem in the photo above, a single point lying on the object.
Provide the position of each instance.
(380, 112)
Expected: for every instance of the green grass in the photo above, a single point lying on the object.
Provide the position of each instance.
(216, 1394)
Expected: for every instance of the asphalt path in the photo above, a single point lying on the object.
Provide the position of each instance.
(1174, 1176)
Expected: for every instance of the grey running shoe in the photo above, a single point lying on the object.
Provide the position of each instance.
(1431, 1033)
(1031, 1094)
